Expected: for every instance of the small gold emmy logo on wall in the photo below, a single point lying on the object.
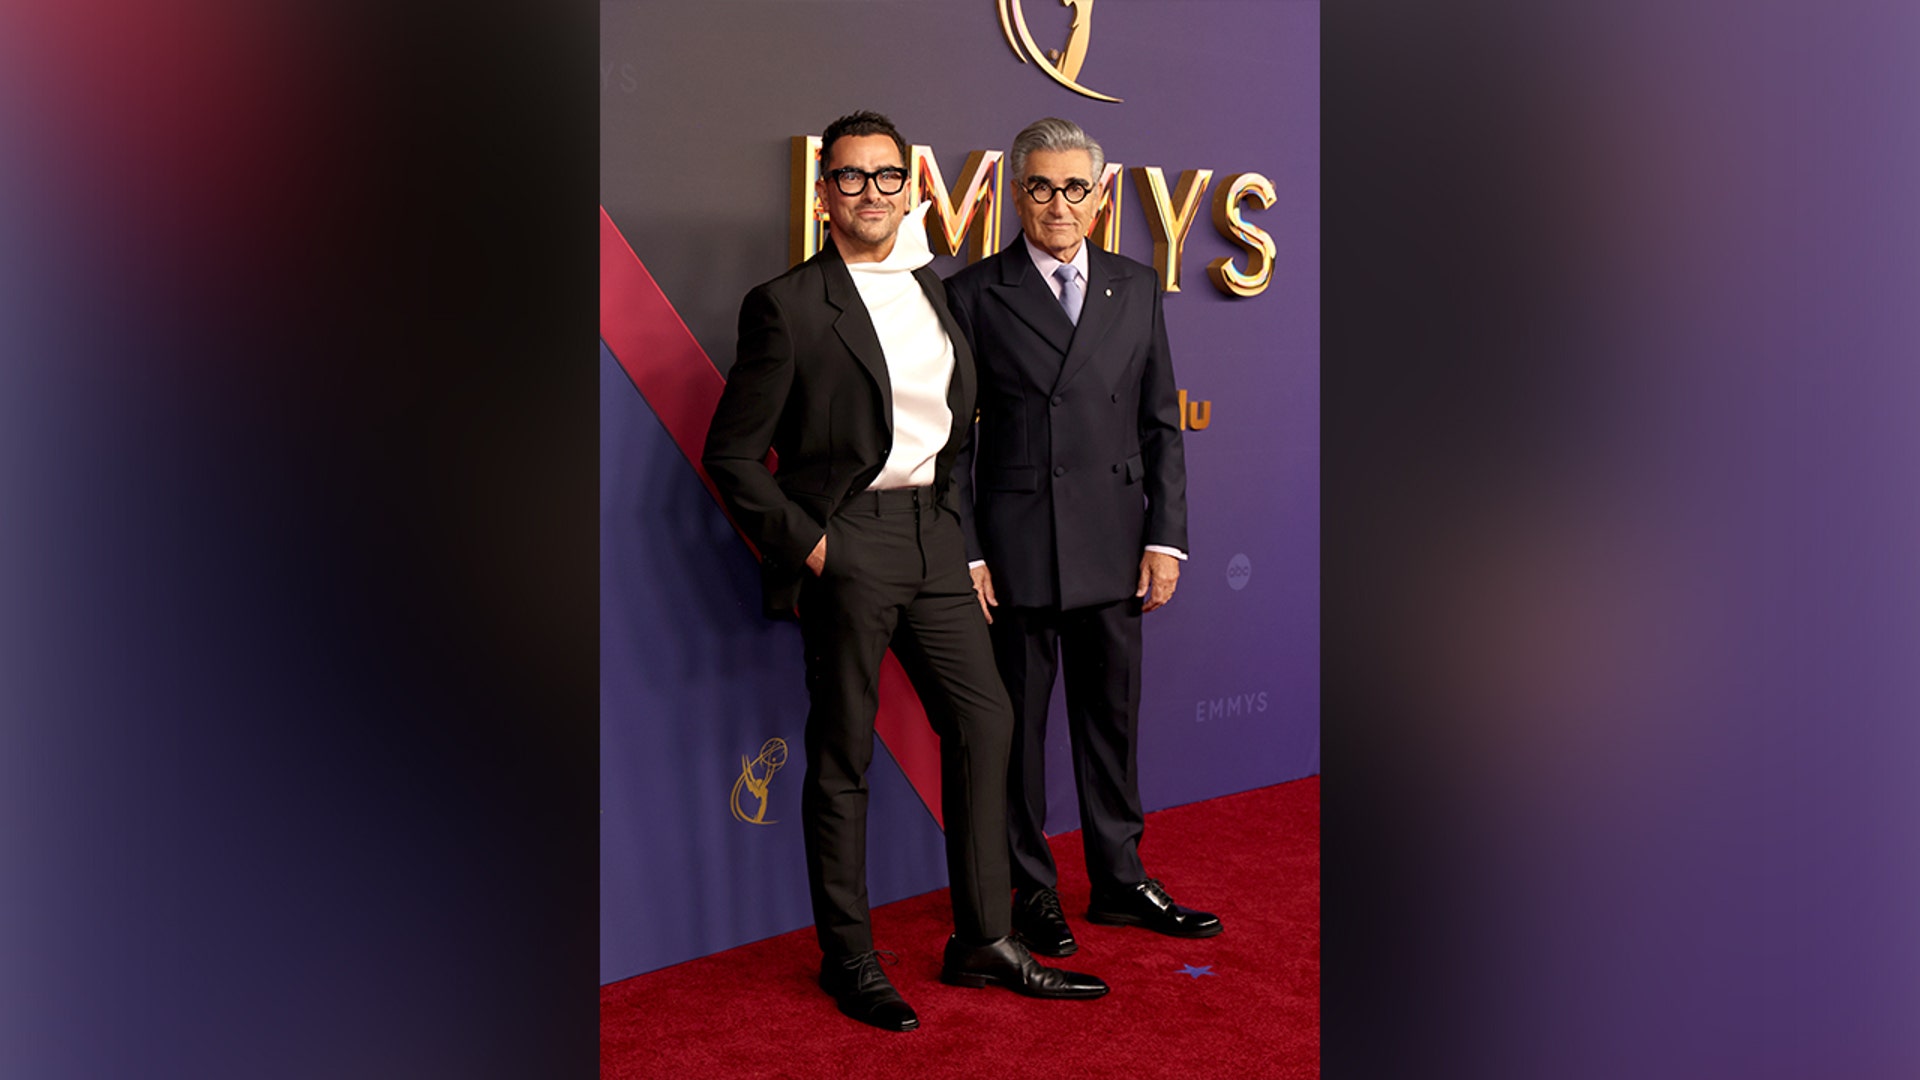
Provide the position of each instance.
(773, 754)
(1061, 65)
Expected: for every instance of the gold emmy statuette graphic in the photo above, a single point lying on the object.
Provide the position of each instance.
(773, 754)
(1063, 65)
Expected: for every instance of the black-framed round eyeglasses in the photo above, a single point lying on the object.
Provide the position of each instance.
(1041, 191)
(852, 181)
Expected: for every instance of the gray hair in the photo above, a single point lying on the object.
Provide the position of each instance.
(1054, 133)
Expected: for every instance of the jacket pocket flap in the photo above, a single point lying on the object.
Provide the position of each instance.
(1136, 468)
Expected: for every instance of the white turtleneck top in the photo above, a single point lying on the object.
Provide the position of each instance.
(919, 354)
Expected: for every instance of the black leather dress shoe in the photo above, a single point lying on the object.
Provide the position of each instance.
(862, 991)
(1148, 905)
(1040, 925)
(1007, 963)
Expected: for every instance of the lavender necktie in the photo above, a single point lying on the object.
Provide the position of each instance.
(1070, 294)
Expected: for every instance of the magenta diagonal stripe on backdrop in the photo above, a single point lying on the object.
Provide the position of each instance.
(680, 384)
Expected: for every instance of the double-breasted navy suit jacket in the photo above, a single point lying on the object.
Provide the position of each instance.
(1076, 463)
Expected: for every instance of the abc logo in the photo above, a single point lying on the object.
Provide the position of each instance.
(1239, 569)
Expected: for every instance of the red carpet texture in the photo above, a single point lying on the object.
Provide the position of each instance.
(1243, 1005)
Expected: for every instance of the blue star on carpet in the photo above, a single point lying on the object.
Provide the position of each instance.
(1196, 972)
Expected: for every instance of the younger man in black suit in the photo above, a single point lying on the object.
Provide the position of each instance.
(851, 368)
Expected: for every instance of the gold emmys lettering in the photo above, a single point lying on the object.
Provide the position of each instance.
(967, 214)
(773, 754)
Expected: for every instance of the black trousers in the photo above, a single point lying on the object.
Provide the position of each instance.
(1100, 648)
(896, 576)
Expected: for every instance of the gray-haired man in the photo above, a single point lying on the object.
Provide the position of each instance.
(1073, 498)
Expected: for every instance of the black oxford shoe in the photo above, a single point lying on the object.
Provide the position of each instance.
(862, 991)
(1149, 906)
(1007, 963)
(1040, 925)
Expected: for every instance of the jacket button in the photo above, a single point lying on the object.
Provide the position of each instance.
(1116, 467)
(1116, 399)
(1059, 470)
(1057, 399)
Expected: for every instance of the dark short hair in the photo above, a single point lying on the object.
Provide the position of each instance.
(860, 123)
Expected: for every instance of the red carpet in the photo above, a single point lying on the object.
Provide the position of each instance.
(1253, 859)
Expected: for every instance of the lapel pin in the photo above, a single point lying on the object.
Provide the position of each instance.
(1109, 292)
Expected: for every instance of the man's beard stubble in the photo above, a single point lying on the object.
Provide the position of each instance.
(872, 232)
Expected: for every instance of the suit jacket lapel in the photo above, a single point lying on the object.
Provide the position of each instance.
(855, 326)
(1096, 313)
(1022, 290)
(960, 387)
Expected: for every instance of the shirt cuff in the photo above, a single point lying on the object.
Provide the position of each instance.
(977, 563)
(1175, 552)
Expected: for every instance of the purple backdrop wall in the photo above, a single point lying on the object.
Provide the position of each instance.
(697, 105)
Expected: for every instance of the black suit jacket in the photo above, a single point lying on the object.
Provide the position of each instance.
(1077, 463)
(810, 382)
